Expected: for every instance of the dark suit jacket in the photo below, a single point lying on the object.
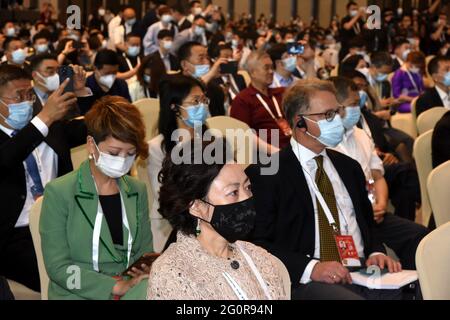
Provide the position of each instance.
(71, 114)
(174, 63)
(429, 99)
(13, 151)
(440, 144)
(240, 81)
(185, 25)
(285, 221)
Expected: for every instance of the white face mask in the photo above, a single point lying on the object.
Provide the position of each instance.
(51, 83)
(167, 45)
(113, 166)
(108, 80)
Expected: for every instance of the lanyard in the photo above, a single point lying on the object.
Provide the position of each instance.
(322, 202)
(240, 293)
(412, 80)
(129, 62)
(266, 106)
(97, 230)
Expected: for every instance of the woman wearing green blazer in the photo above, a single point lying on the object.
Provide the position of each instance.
(94, 222)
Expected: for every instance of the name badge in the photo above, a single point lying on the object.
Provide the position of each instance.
(347, 251)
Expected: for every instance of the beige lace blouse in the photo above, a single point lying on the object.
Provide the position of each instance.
(186, 271)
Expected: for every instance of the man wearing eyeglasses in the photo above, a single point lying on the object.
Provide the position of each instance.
(33, 151)
(316, 199)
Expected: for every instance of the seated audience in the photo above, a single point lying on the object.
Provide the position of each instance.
(183, 105)
(95, 220)
(149, 74)
(284, 65)
(212, 209)
(130, 60)
(259, 106)
(439, 95)
(33, 151)
(196, 33)
(169, 61)
(151, 40)
(407, 82)
(303, 239)
(104, 82)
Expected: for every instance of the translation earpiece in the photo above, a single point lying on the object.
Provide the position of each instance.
(301, 123)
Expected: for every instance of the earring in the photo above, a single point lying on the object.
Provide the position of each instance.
(197, 230)
(90, 157)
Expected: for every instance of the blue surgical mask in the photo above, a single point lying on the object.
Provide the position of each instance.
(20, 114)
(447, 79)
(331, 132)
(352, 116)
(41, 48)
(381, 77)
(131, 22)
(19, 56)
(362, 98)
(199, 31)
(166, 18)
(196, 115)
(133, 51)
(290, 64)
(147, 78)
(201, 70)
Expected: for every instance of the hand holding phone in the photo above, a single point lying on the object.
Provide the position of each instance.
(66, 72)
(295, 48)
(229, 68)
(147, 259)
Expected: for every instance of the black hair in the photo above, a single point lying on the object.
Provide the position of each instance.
(380, 59)
(183, 183)
(37, 60)
(277, 51)
(165, 33)
(185, 51)
(173, 89)
(343, 86)
(43, 34)
(399, 41)
(104, 57)
(10, 73)
(350, 63)
(8, 41)
(133, 35)
(350, 3)
(433, 65)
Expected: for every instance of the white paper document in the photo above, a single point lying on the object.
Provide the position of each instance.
(386, 281)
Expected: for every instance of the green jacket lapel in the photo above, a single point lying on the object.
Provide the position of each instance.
(131, 201)
(86, 198)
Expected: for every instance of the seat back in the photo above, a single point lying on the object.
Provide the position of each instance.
(428, 119)
(238, 135)
(246, 77)
(438, 186)
(404, 122)
(432, 261)
(35, 215)
(149, 109)
(422, 155)
(78, 156)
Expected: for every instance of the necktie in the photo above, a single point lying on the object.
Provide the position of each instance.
(37, 189)
(328, 249)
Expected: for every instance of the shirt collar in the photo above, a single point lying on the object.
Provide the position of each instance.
(442, 94)
(282, 80)
(6, 130)
(41, 94)
(303, 154)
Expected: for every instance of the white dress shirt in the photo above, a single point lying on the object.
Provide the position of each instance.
(359, 146)
(280, 82)
(444, 97)
(47, 162)
(347, 216)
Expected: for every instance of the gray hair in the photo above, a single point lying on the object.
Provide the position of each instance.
(297, 98)
(253, 60)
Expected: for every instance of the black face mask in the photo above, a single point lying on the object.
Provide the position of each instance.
(234, 221)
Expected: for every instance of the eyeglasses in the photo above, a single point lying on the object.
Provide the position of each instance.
(329, 115)
(197, 101)
(22, 96)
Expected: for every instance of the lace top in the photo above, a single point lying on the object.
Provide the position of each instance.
(186, 271)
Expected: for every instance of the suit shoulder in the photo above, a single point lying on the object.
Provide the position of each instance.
(136, 184)
(63, 182)
(339, 156)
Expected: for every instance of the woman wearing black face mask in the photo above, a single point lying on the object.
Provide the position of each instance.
(212, 208)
